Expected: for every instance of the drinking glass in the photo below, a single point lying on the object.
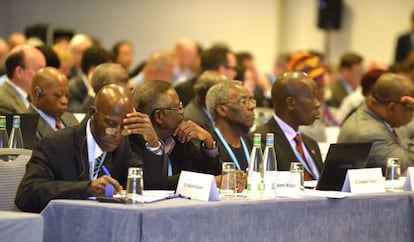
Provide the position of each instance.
(135, 185)
(392, 174)
(228, 181)
(296, 179)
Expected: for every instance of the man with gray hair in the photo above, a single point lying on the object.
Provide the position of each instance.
(196, 109)
(385, 109)
(232, 108)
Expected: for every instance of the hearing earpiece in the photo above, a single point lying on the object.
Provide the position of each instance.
(39, 92)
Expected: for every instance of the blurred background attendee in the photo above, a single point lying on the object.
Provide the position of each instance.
(52, 58)
(81, 93)
(66, 59)
(159, 66)
(188, 60)
(21, 65)
(354, 100)
(196, 110)
(16, 39)
(279, 66)
(405, 44)
(123, 54)
(4, 50)
(217, 58)
(78, 44)
(350, 71)
(50, 92)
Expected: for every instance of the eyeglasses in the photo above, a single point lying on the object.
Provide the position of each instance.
(230, 67)
(180, 109)
(244, 102)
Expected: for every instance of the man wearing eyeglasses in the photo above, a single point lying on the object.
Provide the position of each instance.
(79, 162)
(164, 141)
(385, 109)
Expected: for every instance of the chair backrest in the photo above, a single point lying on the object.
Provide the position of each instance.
(11, 173)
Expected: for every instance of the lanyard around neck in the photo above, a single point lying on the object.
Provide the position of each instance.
(230, 151)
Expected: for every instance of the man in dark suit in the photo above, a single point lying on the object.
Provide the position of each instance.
(217, 58)
(196, 110)
(21, 65)
(232, 107)
(67, 164)
(81, 92)
(295, 103)
(50, 90)
(160, 137)
(405, 44)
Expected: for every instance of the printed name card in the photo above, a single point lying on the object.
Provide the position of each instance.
(288, 185)
(198, 186)
(408, 184)
(368, 180)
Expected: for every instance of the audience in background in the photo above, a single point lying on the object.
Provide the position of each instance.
(196, 110)
(217, 58)
(50, 93)
(164, 141)
(232, 108)
(67, 164)
(4, 50)
(405, 44)
(385, 109)
(159, 66)
(65, 58)
(295, 103)
(108, 73)
(188, 60)
(50, 55)
(354, 100)
(81, 93)
(78, 44)
(16, 39)
(123, 54)
(279, 66)
(21, 65)
(350, 71)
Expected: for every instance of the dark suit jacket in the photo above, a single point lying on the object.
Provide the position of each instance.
(404, 46)
(59, 168)
(185, 91)
(224, 154)
(43, 128)
(193, 111)
(79, 100)
(284, 152)
(185, 156)
(10, 101)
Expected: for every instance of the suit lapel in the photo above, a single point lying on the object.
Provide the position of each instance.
(82, 162)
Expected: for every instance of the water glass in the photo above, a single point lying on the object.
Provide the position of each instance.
(392, 174)
(228, 181)
(296, 179)
(135, 185)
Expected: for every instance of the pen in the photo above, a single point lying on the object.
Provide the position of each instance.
(105, 170)
(182, 196)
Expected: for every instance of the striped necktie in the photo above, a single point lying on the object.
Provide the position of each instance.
(98, 163)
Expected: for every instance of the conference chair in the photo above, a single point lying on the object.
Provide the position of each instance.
(12, 168)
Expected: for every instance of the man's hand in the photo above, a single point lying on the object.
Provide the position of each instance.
(189, 130)
(97, 188)
(140, 123)
(408, 100)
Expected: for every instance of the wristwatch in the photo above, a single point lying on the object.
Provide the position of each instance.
(156, 150)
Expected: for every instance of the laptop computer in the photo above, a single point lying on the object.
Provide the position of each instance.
(28, 125)
(340, 158)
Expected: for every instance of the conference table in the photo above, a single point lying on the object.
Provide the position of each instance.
(19, 226)
(368, 217)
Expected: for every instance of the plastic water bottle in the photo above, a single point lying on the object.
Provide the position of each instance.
(16, 139)
(4, 137)
(270, 168)
(255, 173)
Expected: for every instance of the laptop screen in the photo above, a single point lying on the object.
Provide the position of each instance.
(340, 158)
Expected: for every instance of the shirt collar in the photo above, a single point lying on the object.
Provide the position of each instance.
(289, 132)
(49, 119)
(94, 151)
(20, 92)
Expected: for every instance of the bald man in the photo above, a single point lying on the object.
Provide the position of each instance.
(50, 91)
(63, 164)
(21, 65)
(387, 106)
(295, 103)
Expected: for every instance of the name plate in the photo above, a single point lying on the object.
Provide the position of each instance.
(368, 180)
(408, 183)
(286, 186)
(197, 186)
